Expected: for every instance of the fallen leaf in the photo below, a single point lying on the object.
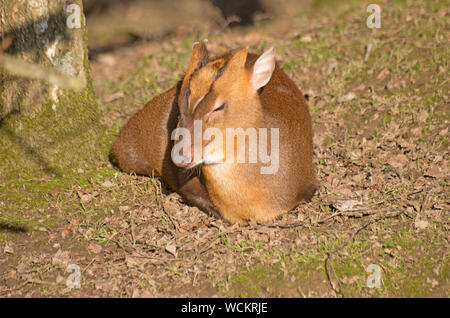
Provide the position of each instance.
(383, 74)
(107, 184)
(61, 258)
(94, 248)
(395, 82)
(106, 286)
(84, 197)
(423, 115)
(146, 294)
(403, 143)
(54, 192)
(135, 293)
(350, 280)
(107, 59)
(417, 131)
(171, 207)
(124, 208)
(12, 274)
(60, 279)
(347, 205)
(65, 231)
(347, 97)
(421, 224)
(113, 97)
(434, 172)
(8, 248)
(21, 268)
(171, 249)
(132, 261)
(306, 38)
(398, 161)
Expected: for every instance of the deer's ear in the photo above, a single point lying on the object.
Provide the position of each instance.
(238, 59)
(235, 66)
(199, 58)
(263, 69)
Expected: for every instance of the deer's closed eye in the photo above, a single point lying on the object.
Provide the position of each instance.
(216, 110)
(221, 107)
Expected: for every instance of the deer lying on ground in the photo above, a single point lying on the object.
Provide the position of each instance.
(245, 97)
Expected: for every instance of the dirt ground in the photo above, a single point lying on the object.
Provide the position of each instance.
(380, 107)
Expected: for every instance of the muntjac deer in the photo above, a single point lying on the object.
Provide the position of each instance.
(234, 137)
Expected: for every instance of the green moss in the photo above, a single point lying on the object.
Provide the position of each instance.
(414, 280)
(51, 142)
(276, 272)
(410, 275)
(28, 202)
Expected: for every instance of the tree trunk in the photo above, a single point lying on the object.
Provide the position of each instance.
(45, 128)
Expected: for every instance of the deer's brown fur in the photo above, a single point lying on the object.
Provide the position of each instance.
(237, 191)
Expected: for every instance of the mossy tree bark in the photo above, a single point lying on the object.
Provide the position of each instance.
(45, 129)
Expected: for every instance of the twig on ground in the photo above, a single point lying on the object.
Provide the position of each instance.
(329, 260)
(132, 226)
(391, 215)
(4, 292)
(292, 225)
(368, 50)
(215, 237)
(423, 205)
(87, 266)
(18, 67)
(160, 195)
(336, 286)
